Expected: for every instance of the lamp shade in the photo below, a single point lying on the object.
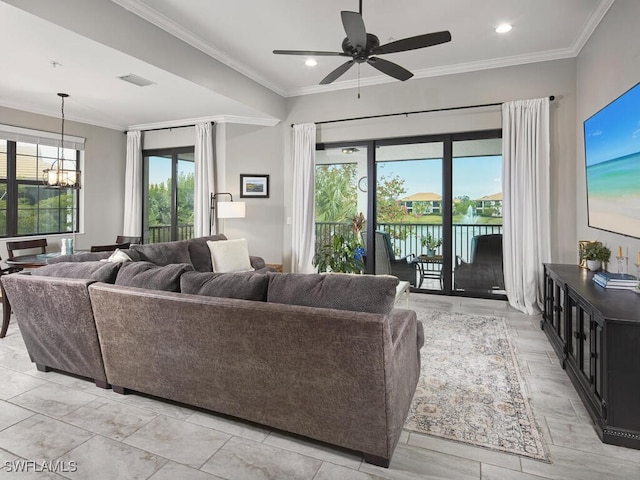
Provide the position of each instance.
(231, 209)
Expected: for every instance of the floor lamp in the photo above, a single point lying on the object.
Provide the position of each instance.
(224, 209)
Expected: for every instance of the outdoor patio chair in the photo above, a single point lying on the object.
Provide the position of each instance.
(388, 264)
(484, 270)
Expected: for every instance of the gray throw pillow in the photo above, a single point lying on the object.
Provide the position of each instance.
(164, 253)
(358, 293)
(151, 276)
(98, 271)
(200, 254)
(242, 285)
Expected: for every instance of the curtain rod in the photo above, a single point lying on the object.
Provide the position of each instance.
(551, 98)
(167, 128)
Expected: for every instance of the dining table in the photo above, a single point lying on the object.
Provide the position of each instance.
(31, 261)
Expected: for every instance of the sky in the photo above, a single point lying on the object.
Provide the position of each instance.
(160, 169)
(614, 131)
(472, 176)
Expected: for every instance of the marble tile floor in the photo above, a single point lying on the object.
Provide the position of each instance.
(97, 434)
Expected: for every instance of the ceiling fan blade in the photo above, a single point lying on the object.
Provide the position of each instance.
(310, 53)
(337, 72)
(354, 27)
(413, 43)
(392, 69)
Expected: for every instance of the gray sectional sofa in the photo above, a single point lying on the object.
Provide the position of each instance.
(324, 356)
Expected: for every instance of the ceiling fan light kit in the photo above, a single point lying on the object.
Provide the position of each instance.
(362, 46)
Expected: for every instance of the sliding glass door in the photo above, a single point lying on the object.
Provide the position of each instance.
(477, 216)
(341, 191)
(409, 194)
(168, 198)
(436, 201)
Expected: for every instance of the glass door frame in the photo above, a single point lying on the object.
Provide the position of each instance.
(447, 140)
(173, 153)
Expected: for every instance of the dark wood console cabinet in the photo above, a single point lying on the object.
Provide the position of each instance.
(596, 334)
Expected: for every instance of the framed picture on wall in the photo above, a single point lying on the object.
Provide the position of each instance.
(256, 186)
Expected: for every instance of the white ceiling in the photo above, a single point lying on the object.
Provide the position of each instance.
(243, 33)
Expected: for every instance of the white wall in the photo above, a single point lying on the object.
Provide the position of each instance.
(102, 193)
(490, 86)
(607, 66)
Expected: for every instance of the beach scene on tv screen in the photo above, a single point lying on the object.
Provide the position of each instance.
(612, 153)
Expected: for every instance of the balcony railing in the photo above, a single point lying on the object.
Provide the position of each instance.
(405, 237)
(162, 233)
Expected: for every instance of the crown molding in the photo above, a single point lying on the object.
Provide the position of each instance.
(590, 25)
(441, 71)
(56, 114)
(188, 122)
(161, 21)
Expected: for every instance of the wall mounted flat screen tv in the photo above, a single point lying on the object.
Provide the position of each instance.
(612, 156)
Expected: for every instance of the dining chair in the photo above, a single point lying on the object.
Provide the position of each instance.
(38, 243)
(6, 308)
(134, 240)
(110, 248)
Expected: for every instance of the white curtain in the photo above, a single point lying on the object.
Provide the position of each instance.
(303, 221)
(133, 186)
(203, 179)
(526, 213)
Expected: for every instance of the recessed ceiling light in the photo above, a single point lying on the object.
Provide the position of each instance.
(503, 28)
(311, 62)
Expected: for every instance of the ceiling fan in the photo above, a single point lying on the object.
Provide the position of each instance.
(362, 46)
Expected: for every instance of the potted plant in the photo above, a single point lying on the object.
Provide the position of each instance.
(595, 253)
(341, 255)
(430, 244)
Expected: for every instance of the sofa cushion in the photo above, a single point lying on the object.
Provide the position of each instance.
(241, 285)
(230, 256)
(360, 293)
(152, 276)
(118, 256)
(163, 253)
(95, 270)
(200, 254)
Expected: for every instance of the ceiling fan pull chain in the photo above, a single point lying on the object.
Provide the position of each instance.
(359, 75)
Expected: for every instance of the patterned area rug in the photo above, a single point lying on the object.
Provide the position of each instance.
(470, 389)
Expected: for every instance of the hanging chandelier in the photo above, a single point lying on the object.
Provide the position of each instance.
(57, 176)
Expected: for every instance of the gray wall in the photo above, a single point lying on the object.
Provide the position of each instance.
(489, 86)
(607, 66)
(257, 150)
(102, 195)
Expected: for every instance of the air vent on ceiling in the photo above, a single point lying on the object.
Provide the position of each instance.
(136, 80)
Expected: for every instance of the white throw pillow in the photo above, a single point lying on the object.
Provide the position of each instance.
(117, 256)
(230, 256)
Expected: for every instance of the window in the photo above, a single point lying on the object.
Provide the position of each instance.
(168, 199)
(27, 207)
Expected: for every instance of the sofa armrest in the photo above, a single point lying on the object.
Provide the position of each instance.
(402, 368)
(56, 322)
